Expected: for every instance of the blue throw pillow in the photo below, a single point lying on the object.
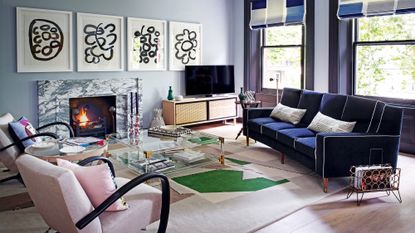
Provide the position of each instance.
(22, 129)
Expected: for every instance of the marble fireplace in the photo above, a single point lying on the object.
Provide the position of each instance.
(64, 100)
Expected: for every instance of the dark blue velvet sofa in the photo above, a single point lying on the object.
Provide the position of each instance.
(374, 140)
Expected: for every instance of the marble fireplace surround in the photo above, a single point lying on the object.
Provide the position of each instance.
(53, 98)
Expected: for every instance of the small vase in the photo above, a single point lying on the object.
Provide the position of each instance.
(242, 95)
(170, 94)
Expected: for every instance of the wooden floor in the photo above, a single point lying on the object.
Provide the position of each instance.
(377, 212)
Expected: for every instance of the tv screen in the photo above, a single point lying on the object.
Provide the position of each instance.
(208, 80)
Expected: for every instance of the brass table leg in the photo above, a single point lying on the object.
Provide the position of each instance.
(222, 153)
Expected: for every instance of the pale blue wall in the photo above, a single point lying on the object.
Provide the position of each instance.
(18, 93)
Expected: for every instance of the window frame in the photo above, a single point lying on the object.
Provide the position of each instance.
(263, 46)
(355, 44)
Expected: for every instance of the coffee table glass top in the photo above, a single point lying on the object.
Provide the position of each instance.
(166, 154)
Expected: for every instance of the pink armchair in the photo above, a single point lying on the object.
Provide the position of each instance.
(63, 204)
(9, 149)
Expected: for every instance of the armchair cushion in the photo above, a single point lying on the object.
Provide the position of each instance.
(97, 182)
(22, 128)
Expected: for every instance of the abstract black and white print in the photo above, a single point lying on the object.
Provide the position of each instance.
(185, 45)
(146, 44)
(99, 40)
(45, 39)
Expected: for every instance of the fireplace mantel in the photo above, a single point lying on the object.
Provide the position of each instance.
(53, 97)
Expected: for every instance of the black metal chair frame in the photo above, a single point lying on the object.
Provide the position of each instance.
(165, 195)
(45, 134)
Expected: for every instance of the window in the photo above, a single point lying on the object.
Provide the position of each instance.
(282, 57)
(384, 51)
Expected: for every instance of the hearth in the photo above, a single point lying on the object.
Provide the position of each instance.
(93, 116)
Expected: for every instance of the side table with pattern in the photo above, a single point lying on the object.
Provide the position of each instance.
(246, 105)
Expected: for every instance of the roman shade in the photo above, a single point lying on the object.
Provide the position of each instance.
(362, 8)
(269, 13)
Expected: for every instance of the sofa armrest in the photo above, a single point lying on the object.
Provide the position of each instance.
(252, 113)
(337, 152)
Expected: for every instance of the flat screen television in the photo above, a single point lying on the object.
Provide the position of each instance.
(209, 80)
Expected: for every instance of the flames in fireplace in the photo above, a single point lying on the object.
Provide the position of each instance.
(93, 116)
(82, 117)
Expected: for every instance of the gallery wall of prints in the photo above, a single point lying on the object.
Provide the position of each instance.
(44, 42)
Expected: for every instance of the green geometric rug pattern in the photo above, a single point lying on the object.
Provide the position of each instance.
(225, 181)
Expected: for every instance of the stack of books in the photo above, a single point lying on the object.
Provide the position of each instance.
(168, 132)
(189, 156)
(153, 165)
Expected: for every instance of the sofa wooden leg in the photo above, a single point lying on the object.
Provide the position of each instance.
(325, 185)
(282, 158)
(247, 140)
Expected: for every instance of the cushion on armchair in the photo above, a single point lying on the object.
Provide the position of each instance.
(97, 181)
(22, 128)
(285, 113)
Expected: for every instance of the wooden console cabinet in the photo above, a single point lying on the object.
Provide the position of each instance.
(191, 111)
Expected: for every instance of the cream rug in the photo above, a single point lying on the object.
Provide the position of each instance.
(224, 211)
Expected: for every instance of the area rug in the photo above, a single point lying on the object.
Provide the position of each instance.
(253, 190)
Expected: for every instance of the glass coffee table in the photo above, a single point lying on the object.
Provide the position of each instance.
(168, 155)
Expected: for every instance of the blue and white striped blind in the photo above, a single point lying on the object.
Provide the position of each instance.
(361, 8)
(269, 13)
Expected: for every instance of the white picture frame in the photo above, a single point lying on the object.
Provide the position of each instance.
(185, 47)
(146, 44)
(44, 40)
(104, 52)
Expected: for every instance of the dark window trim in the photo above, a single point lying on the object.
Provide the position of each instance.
(252, 56)
(356, 43)
(263, 47)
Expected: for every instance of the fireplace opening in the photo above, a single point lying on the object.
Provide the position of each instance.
(93, 116)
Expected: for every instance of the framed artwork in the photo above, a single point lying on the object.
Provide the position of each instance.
(146, 44)
(100, 42)
(185, 45)
(44, 40)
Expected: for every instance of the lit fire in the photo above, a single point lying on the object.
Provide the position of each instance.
(82, 118)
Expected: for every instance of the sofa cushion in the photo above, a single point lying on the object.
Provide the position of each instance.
(288, 136)
(360, 110)
(306, 145)
(377, 114)
(391, 121)
(256, 124)
(323, 123)
(332, 105)
(290, 97)
(309, 100)
(271, 129)
(287, 114)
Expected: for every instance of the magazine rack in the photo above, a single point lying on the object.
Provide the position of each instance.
(374, 178)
